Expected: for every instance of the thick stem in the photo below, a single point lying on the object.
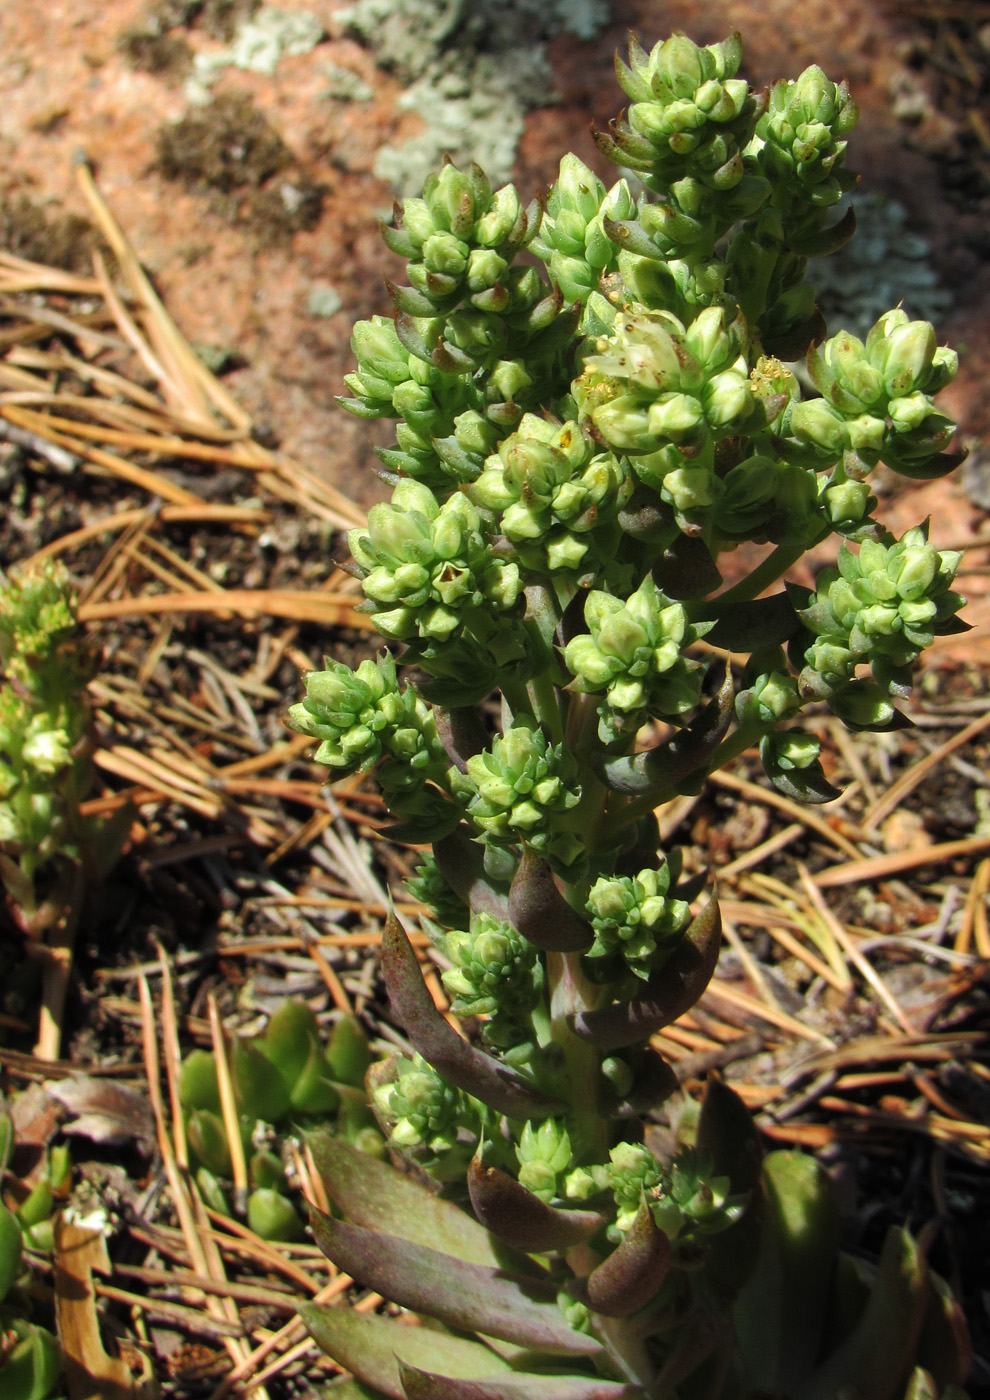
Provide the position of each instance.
(571, 992)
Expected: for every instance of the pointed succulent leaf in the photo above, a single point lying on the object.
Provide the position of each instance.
(374, 1348)
(635, 1270)
(945, 1348)
(727, 1135)
(495, 1084)
(541, 913)
(782, 1310)
(348, 1053)
(669, 992)
(372, 1193)
(514, 1214)
(466, 1296)
(427, 1385)
(289, 1037)
(11, 1245)
(877, 1357)
(259, 1086)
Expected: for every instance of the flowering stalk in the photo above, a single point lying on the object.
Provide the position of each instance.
(574, 454)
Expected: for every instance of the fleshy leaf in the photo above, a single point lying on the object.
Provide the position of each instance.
(513, 1213)
(634, 1271)
(670, 992)
(426, 1385)
(374, 1348)
(372, 1193)
(877, 1357)
(496, 1085)
(541, 913)
(466, 1296)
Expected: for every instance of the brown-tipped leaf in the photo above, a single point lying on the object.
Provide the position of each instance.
(496, 1085)
(670, 992)
(373, 1348)
(466, 1296)
(374, 1194)
(634, 1272)
(541, 913)
(427, 1385)
(512, 1213)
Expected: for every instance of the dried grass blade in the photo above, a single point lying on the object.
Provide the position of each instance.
(864, 966)
(297, 605)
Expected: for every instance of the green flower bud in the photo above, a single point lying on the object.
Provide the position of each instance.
(772, 697)
(633, 652)
(519, 789)
(544, 1154)
(495, 969)
(633, 916)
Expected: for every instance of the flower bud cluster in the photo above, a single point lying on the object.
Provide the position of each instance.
(520, 790)
(494, 969)
(44, 718)
(443, 436)
(427, 568)
(363, 716)
(877, 396)
(572, 240)
(881, 607)
(690, 114)
(633, 652)
(544, 1154)
(552, 493)
(635, 917)
(424, 1112)
(801, 136)
(459, 240)
(654, 381)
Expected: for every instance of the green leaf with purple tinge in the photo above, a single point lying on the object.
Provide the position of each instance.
(373, 1347)
(465, 1296)
(372, 1193)
(424, 1385)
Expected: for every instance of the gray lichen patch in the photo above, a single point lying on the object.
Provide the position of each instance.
(260, 42)
(473, 71)
(886, 264)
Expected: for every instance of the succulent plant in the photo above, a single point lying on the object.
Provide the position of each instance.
(283, 1079)
(45, 768)
(573, 457)
(30, 1357)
